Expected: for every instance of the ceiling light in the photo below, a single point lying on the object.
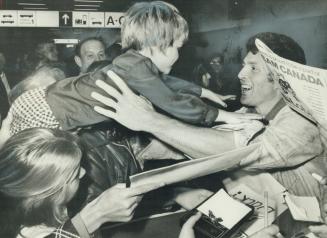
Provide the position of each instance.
(31, 4)
(85, 9)
(36, 8)
(89, 1)
(86, 5)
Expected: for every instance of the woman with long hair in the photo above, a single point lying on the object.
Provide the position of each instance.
(39, 174)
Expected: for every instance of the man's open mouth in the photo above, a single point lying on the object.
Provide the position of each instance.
(246, 88)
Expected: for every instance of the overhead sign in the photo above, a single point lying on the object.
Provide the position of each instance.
(47, 18)
(65, 19)
(114, 19)
(26, 18)
(8, 18)
(80, 19)
(96, 19)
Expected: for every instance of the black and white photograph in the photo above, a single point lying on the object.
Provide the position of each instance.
(125, 118)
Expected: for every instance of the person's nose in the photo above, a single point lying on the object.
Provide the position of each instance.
(242, 74)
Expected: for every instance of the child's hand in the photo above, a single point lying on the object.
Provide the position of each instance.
(216, 98)
(236, 118)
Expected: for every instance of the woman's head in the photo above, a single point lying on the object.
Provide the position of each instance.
(39, 172)
(41, 77)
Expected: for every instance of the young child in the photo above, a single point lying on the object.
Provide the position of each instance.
(152, 32)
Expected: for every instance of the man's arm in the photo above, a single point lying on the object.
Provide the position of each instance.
(135, 113)
(194, 141)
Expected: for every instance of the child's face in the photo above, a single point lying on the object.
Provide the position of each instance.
(165, 59)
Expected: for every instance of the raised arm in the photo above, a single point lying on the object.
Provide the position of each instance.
(135, 113)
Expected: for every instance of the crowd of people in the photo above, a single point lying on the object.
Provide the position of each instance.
(122, 109)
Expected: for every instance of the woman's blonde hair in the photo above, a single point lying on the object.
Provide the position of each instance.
(152, 24)
(35, 167)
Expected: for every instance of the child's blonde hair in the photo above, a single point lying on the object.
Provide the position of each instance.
(152, 24)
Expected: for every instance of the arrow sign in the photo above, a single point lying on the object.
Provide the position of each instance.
(66, 18)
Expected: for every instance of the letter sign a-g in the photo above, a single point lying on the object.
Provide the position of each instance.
(113, 19)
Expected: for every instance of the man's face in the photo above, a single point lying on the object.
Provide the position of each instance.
(255, 86)
(49, 50)
(91, 51)
(216, 64)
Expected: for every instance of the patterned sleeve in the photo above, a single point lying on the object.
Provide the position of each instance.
(67, 230)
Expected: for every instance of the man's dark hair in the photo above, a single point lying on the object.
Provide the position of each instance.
(281, 45)
(114, 50)
(97, 65)
(80, 44)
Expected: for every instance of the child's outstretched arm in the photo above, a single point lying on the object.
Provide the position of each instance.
(216, 98)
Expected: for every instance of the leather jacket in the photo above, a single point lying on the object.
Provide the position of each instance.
(109, 158)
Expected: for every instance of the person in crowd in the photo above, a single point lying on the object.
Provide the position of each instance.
(151, 56)
(46, 176)
(43, 52)
(208, 73)
(4, 89)
(47, 51)
(220, 77)
(287, 143)
(88, 51)
(41, 77)
(3, 76)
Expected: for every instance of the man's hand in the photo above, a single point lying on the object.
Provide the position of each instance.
(189, 198)
(130, 110)
(5, 129)
(187, 229)
(116, 204)
(216, 98)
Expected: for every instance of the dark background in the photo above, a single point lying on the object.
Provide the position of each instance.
(216, 26)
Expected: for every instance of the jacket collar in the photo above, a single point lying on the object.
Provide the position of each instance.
(275, 110)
